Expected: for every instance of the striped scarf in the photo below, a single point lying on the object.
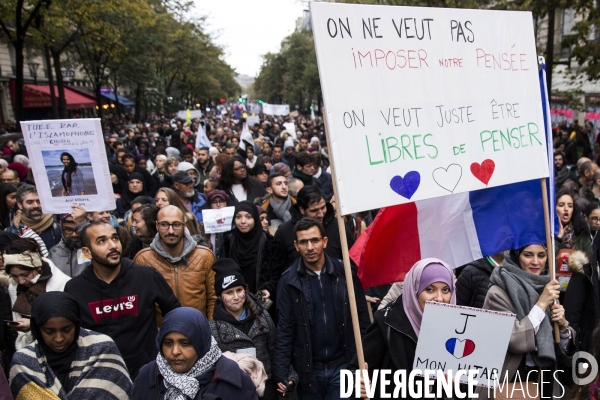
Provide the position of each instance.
(98, 372)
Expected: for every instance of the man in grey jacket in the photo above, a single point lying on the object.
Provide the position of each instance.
(67, 254)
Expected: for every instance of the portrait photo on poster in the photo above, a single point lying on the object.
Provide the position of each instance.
(70, 172)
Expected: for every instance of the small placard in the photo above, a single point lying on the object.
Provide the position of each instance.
(456, 338)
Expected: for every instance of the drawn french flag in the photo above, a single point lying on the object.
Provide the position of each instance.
(460, 348)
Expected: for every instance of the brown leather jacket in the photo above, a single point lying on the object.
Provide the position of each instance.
(193, 282)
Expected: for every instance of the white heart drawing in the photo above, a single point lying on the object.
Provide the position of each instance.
(448, 178)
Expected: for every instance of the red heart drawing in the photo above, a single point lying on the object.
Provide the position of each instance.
(484, 171)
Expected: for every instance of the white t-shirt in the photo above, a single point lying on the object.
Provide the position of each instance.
(239, 192)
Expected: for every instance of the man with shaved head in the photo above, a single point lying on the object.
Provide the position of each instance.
(185, 266)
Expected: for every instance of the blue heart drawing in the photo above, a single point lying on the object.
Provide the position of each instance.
(406, 186)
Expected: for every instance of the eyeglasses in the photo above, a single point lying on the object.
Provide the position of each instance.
(165, 225)
(68, 231)
(218, 201)
(304, 242)
(594, 219)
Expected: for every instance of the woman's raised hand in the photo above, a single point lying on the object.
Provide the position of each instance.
(550, 293)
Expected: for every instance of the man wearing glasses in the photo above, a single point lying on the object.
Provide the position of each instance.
(314, 330)
(185, 266)
(67, 254)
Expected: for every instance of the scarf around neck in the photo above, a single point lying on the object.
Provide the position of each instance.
(185, 386)
(306, 179)
(524, 290)
(36, 225)
(282, 210)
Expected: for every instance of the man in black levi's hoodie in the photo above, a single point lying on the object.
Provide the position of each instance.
(117, 297)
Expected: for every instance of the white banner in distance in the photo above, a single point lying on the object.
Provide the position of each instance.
(276, 109)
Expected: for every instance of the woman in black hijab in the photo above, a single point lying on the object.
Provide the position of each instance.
(61, 342)
(8, 201)
(136, 186)
(118, 176)
(58, 311)
(260, 258)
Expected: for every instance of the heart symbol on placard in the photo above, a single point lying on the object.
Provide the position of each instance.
(460, 348)
(406, 186)
(448, 178)
(483, 171)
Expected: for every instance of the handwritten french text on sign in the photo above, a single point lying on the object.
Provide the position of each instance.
(69, 164)
(456, 338)
(276, 109)
(218, 220)
(425, 102)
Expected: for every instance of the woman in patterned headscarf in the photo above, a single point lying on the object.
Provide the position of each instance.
(190, 364)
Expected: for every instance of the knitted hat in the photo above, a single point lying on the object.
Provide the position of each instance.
(217, 193)
(227, 275)
(280, 167)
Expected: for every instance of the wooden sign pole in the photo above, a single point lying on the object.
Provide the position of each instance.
(345, 254)
(551, 266)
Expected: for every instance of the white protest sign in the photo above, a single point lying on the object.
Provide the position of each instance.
(276, 109)
(456, 338)
(424, 102)
(182, 114)
(253, 119)
(69, 163)
(291, 128)
(218, 220)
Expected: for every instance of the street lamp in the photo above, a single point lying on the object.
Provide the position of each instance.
(33, 67)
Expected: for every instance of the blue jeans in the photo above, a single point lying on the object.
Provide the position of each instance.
(328, 385)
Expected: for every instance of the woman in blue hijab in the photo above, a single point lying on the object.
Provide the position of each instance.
(189, 364)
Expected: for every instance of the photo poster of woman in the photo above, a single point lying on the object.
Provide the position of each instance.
(69, 164)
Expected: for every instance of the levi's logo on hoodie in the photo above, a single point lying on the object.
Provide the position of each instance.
(112, 308)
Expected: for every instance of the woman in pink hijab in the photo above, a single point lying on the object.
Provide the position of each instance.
(391, 340)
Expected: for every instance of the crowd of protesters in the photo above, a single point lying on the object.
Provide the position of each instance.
(141, 302)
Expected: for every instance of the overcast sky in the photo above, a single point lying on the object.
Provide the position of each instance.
(249, 29)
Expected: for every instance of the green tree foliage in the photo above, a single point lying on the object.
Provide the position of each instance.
(156, 48)
(16, 18)
(585, 43)
(290, 76)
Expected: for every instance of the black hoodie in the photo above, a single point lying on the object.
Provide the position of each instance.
(132, 296)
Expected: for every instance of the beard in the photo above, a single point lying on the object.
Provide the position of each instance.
(105, 261)
(280, 198)
(71, 244)
(28, 214)
(172, 244)
(187, 195)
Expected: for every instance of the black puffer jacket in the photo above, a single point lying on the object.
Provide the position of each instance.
(582, 299)
(233, 335)
(473, 283)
